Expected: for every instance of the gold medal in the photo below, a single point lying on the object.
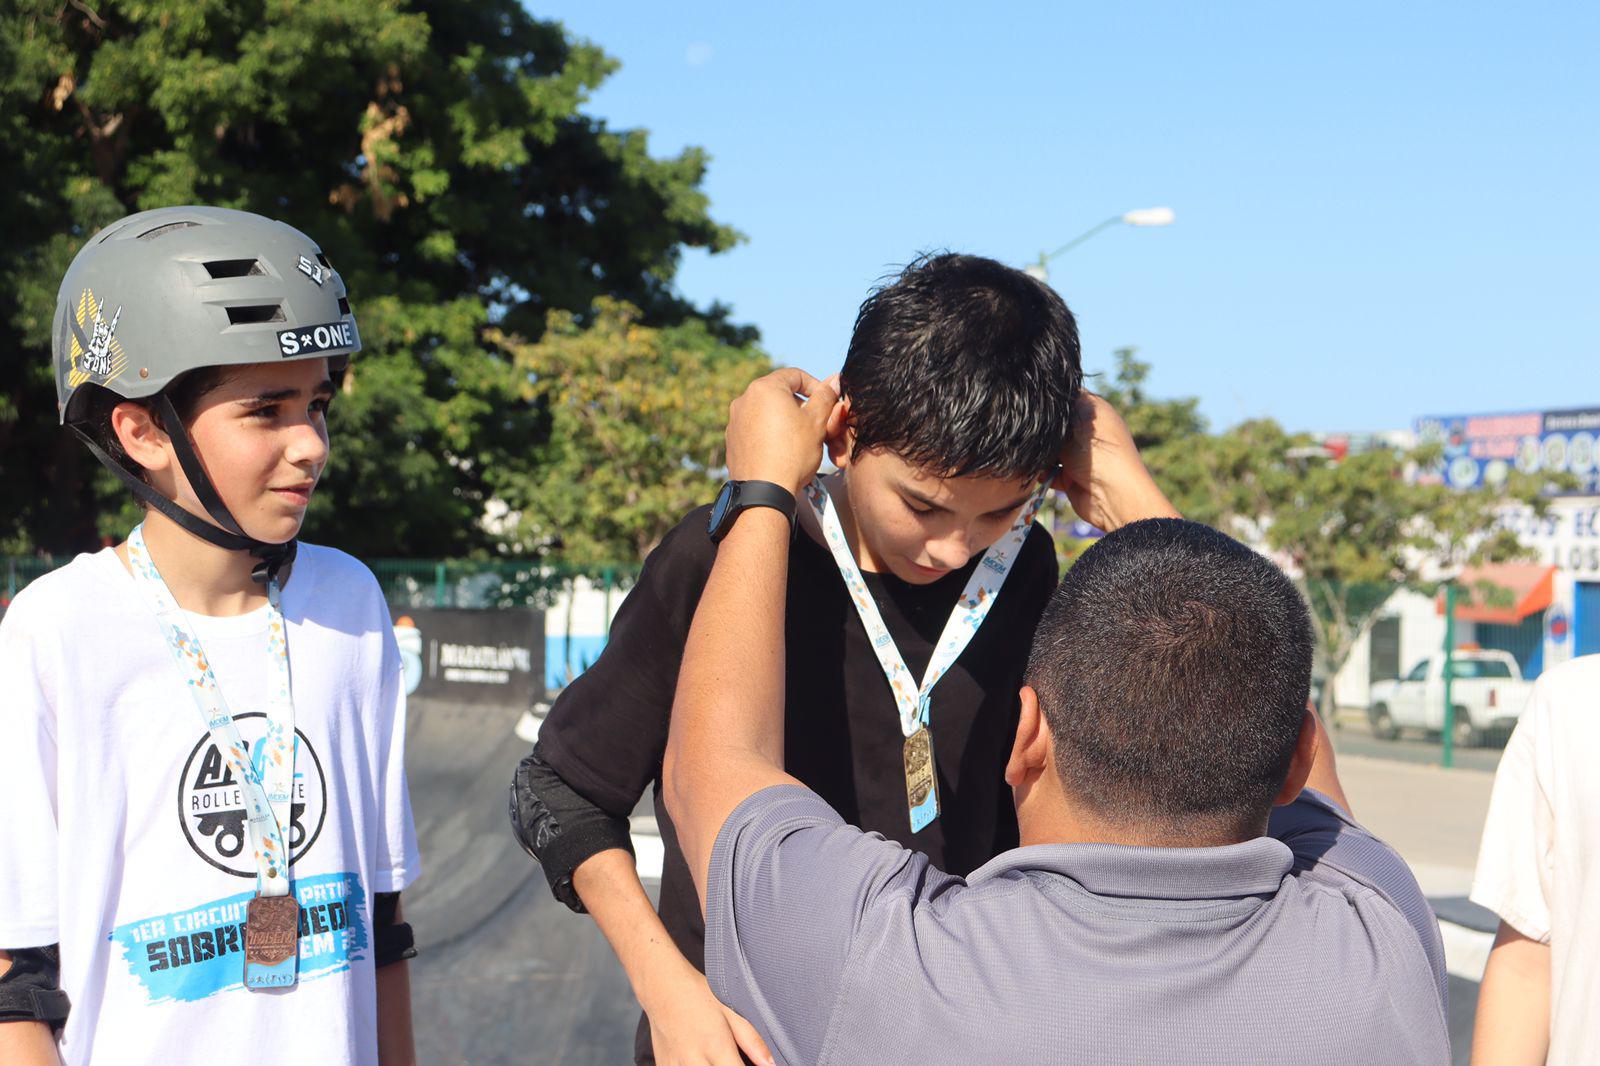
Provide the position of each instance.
(921, 788)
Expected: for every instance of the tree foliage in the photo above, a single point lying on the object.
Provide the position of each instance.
(438, 151)
(637, 416)
(1351, 530)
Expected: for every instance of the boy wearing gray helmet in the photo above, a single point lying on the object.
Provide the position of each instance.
(201, 848)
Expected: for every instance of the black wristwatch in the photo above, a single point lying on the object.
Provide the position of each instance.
(737, 495)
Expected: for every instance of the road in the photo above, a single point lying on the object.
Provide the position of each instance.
(1354, 737)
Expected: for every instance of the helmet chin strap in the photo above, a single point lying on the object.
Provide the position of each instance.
(272, 557)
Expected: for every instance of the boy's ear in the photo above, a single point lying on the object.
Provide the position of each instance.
(141, 437)
(841, 438)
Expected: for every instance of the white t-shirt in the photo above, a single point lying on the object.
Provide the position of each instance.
(1540, 857)
(123, 835)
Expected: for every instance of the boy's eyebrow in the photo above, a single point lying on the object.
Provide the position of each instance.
(323, 388)
(913, 494)
(917, 497)
(1014, 504)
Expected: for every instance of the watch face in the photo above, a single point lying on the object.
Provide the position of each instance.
(719, 510)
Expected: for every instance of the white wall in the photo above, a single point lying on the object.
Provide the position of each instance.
(1421, 634)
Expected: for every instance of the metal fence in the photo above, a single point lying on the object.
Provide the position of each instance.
(428, 582)
(498, 583)
(17, 571)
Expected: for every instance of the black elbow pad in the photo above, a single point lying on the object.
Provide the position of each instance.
(31, 990)
(560, 828)
(392, 941)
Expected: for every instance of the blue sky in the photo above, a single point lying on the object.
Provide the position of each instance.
(1383, 210)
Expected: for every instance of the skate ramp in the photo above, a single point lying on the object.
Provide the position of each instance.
(504, 973)
(459, 761)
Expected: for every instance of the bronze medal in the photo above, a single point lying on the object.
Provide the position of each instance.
(271, 930)
(919, 767)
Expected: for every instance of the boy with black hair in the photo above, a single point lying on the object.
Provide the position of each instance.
(914, 584)
(1159, 908)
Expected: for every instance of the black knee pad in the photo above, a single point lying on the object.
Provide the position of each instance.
(31, 990)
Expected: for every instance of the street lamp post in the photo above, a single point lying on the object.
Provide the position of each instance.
(1144, 216)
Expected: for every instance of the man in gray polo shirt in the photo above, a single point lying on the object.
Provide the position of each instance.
(1180, 894)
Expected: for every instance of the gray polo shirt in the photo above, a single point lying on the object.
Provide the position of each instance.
(1311, 945)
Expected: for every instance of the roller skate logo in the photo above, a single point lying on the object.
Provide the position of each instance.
(211, 800)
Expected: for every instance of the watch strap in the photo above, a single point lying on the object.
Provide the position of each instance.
(748, 494)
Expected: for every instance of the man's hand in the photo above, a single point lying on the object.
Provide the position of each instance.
(773, 436)
(1102, 473)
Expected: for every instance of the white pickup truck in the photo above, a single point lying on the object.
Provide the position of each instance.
(1487, 689)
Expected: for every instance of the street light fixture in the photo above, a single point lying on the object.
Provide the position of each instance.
(1144, 216)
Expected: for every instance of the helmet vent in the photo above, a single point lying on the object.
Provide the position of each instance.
(344, 306)
(162, 231)
(324, 260)
(234, 268)
(243, 316)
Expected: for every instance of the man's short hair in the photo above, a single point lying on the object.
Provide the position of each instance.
(1173, 666)
(964, 367)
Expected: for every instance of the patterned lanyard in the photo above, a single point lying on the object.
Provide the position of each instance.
(266, 775)
(912, 700)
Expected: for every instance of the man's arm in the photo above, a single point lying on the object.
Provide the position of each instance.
(726, 737)
(1513, 1023)
(1102, 473)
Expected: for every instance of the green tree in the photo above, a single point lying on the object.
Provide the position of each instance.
(1164, 430)
(636, 431)
(1352, 531)
(1355, 530)
(439, 152)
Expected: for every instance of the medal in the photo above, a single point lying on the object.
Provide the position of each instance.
(265, 774)
(914, 701)
(271, 942)
(922, 787)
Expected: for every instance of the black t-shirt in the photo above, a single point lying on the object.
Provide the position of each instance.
(607, 732)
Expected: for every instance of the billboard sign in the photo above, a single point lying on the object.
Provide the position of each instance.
(472, 656)
(1482, 449)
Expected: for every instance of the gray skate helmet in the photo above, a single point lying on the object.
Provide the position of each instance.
(164, 292)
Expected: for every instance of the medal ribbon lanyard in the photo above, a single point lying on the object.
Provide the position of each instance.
(266, 775)
(913, 700)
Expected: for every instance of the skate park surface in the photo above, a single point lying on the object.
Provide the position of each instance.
(504, 973)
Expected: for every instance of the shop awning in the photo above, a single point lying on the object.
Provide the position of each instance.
(1516, 591)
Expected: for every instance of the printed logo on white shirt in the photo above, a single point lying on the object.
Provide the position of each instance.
(211, 800)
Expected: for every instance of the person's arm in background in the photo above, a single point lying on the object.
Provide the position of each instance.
(1512, 879)
(599, 749)
(726, 740)
(1513, 1023)
(25, 1043)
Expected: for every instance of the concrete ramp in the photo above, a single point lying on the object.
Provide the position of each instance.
(459, 764)
(504, 973)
